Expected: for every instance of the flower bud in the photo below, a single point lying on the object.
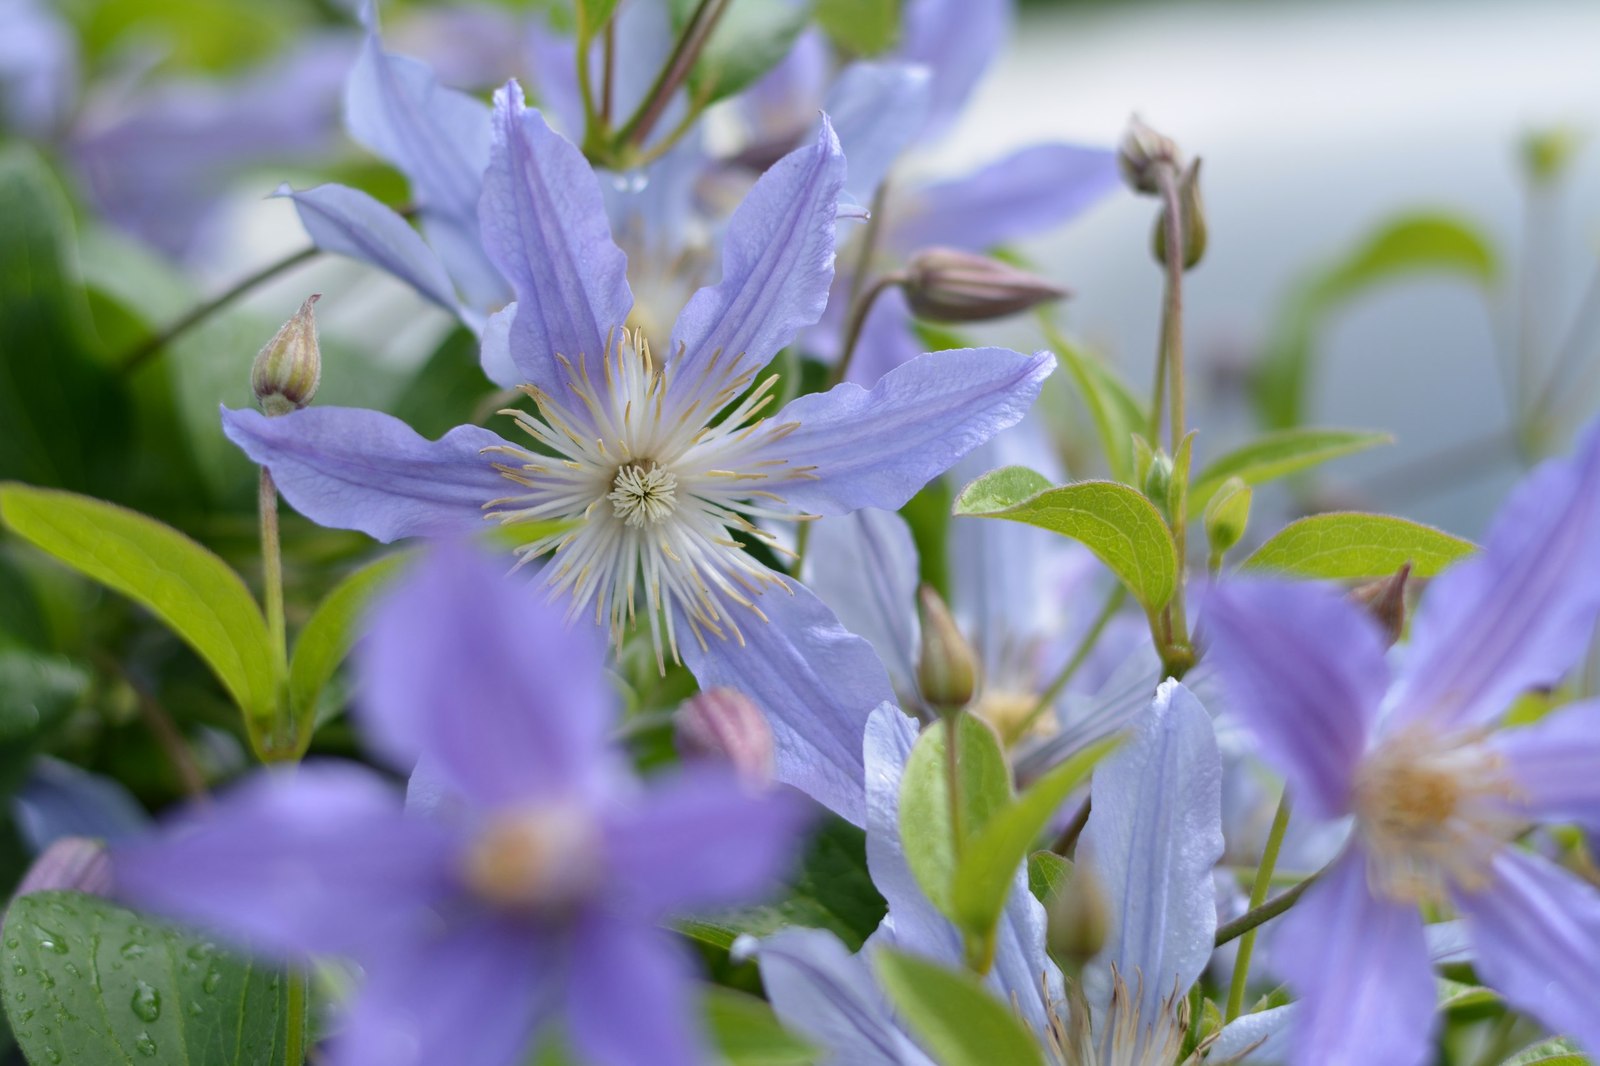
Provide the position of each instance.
(288, 369)
(1547, 153)
(948, 285)
(1191, 214)
(947, 671)
(1158, 480)
(1385, 601)
(1079, 917)
(1141, 155)
(721, 724)
(76, 863)
(1227, 513)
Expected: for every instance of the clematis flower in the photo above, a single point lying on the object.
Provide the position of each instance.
(662, 463)
(1152, 840)
(1438, 797)
(534, 896)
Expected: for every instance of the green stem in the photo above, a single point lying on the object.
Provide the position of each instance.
(696, 32)
(1047, 698)
(858, 318)
(1264, 913)
(280, 735)
(860, 301)
(1258, 896)
(294, 1022)
(152, 346)
(1178, 656)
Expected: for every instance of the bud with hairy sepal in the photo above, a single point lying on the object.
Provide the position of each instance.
(1385, 601)
(1158, 481)
(1143, 153)
(1192, 219)
(723, 725)
(1227, 514)
(947, 669)
(78, 864)
(288, 369)
(949, 285)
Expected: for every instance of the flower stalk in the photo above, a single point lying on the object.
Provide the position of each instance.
(1258, 896)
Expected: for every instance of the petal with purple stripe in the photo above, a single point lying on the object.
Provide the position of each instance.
(1555, 765)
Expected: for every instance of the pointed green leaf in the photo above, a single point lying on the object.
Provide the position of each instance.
(86, 981)
(1047, 872)
(1556, 1051)
(748, 1033)
(983, 789)
(592, 18)
(1118, 414)
(953, 1016)
(1278, 455)
(992, 854)
(861, 27)
(329, 633)
(194, 592)
(1117, 523)
(1352, 546)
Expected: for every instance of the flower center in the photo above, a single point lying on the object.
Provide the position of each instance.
(1010, 711)
(541, 860)
(643, 493)
(1432, 811)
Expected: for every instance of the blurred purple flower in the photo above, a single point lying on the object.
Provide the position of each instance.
(534, 896)
(38, 68)
(660, 464)
(1437, 796)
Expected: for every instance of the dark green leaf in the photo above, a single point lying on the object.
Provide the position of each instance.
(1351, 546)
(749, 1034)
(983, 790)
(329, 633)
(1279, 454)
(953, 1016)
(88, 982)
(1117, 523)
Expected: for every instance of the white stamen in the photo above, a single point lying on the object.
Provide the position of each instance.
(644, 493)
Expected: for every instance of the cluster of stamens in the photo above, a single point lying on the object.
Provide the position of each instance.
(540, 861)
(1432, 811)
(652, 475)
(1124, 1038)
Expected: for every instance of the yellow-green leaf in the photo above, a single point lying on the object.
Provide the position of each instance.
(1278, 455)
(953, 1016)
(1351, 546)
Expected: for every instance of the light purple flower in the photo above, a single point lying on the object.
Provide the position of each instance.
(535, 895)
(663, 463)
(1438, 798)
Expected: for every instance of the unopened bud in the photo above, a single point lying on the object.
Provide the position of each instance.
(1546, 153)
(722, 725)
(947, 671)
(79, 864)
(948, 285)
(1191, 218)
(1158, 480)
(288, 369)
(1385, 601)
(1227, 514)
(1142, 154)
(1079, 918)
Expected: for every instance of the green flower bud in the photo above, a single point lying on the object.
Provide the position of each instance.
(288, 368)
(1158, 480)
(948, 285)
(1227, 514)
(1079, 918)
(947, 669)
(1192, 214)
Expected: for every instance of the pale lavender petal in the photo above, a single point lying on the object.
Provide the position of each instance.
(554, 85)
(349, 468)
(827, 995)
(38, 67)
(474, 670)
(60, 799)
(858, 448)
(703, 840)
(318, 860)
(1555, 765)
(346, 221)
(1520, 614)
(1536, 931)
(1153, 838)
(1359, 966)
(956, 39)
(472, 997)
(876, 108)
(1304, 671)
(544, 225)
(1028, 192)
(783, 102)
(777, 264)
(494, 348)
(439, 139)
(864, 567)
(816, 682)
(1257, 1039)
(630, 997)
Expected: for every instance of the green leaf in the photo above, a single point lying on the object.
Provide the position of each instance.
(86, 981)
(328, 634)
(1118, 414)
(953, 1016)
(833, 890)
(36, 693)
(1455, 996)
(1000, 489)
(1047, 874)
(992, 854)
(750, 39)
(1351, 546)
(1279, 454)
(1557, 1051)
(862, 27)
(592, 18)
(190, 589)
(1117, 523)
(748, 1033)
(983, 789)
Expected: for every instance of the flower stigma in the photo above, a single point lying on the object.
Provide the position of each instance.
(545, 860)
